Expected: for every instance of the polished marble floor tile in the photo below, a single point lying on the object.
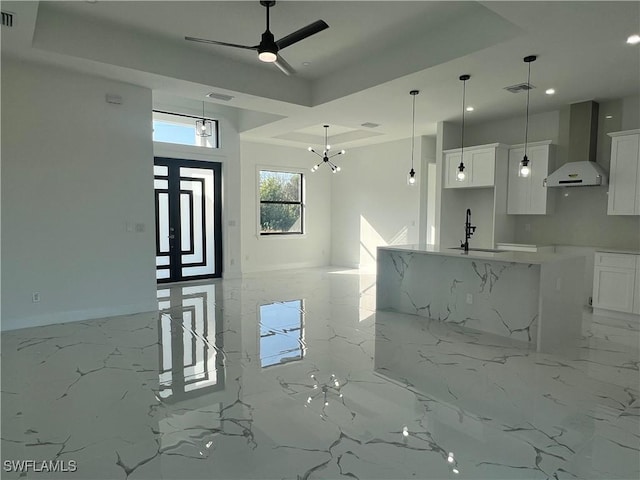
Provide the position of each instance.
(294, 375)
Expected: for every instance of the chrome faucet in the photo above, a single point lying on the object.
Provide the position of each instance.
(468, 231)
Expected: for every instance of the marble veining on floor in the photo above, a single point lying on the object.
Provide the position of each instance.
(294, 375)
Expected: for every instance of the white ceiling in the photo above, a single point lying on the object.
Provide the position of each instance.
(361, 68)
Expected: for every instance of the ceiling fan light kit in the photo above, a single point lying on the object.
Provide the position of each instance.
(268, 49)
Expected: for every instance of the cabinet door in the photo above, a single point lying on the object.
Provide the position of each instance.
(623, 176)
(539, 202)
(519, 188)
(528, 195)
(483, 163)
(452, 160)
(613, 288)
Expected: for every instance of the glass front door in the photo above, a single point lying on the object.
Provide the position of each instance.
(188, 198)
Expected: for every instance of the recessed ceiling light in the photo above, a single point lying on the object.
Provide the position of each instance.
(633, 39)
(469, 108)
(549, 91)
(608, 116)
(306, 64)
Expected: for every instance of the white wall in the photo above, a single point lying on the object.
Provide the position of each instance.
(372, 204)
(580, 217)
(76, 170)
(260, 253)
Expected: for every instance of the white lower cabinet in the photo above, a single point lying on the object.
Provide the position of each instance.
(616, 276)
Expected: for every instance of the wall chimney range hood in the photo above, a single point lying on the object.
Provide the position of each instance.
(581, 170)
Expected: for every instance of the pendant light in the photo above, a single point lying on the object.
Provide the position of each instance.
(204, 127)
(461, 176)
(525, 168)
(411, 177)
(325, 154)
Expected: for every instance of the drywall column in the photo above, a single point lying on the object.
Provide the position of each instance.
(77, 197)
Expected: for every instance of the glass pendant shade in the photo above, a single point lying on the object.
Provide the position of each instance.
(204, 128)
(411, 178)
(525, 169)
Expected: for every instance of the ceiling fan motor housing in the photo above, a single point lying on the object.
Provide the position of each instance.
(268, 43)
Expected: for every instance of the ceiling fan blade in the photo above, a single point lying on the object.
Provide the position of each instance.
(284, 66)
(302, 33)
(225, 44)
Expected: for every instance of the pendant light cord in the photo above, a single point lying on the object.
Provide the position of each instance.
(326, 138)
(526, 128)
(413, 130)
(464, 89)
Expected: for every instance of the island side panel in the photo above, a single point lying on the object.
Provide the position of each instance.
(561, 305)
(504, 296)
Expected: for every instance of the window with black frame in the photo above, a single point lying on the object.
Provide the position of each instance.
(281, 203)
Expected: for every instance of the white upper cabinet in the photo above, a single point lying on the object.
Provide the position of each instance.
(528, 195)
(479, 163)
(624, 175)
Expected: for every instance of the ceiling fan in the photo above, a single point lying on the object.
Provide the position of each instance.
(268, 47)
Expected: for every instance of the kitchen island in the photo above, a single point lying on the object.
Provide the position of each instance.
(528, 296)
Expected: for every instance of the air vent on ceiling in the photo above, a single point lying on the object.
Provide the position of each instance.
(521, 87)
(219, 96)
(7, 19)
(370, 125)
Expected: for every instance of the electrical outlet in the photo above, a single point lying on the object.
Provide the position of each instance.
(35, 297)
(139, 227)
(558, 284)
(232, 262)
(469, 298)
(527, 227)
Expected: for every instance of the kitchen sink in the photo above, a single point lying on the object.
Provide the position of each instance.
(490, 250)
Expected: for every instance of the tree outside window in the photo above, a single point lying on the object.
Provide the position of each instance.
(280, 203)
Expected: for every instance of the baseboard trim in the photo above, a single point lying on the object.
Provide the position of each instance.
(618, 315)
(76, 316)
(284, 266)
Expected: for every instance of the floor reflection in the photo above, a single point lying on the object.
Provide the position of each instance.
(294, 375)
(191, 343)
(281, 332)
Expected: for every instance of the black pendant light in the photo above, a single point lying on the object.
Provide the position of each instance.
(460, 176)
(325, 154)
(204, 127)
(411, 177)
(525, 168)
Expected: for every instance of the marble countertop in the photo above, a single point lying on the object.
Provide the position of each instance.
(534, 258)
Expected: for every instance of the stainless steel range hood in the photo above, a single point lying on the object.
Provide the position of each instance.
(581, 170)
